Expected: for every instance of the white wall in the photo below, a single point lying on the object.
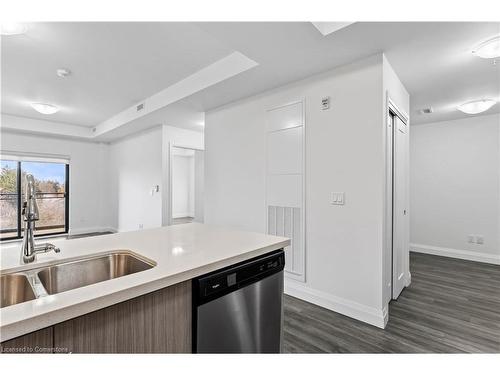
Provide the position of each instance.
(139, 162)
(344, 152)
(88, 188)
(135, 167)
(199, 186)
(455, 171)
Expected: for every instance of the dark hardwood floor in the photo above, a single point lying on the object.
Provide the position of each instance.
(451, 306)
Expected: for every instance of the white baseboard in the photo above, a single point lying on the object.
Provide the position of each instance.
(79, 231)
(408, 279)
(342, 306)
(455, 253)
(183, 214)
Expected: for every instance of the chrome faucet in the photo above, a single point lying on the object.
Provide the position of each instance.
(31, 214)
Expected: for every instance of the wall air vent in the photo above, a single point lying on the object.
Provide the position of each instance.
(139, 107)
(426, 111)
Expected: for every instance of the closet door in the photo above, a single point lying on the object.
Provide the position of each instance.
(285, 182)
(400, 245)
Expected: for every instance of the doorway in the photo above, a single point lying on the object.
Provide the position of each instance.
(186, 185)
(398, 198)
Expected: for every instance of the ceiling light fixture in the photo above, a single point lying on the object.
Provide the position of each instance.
(426, 111)
(489, 49)
(46, 109)
(13, 28)
(63, 72)
(476, 106)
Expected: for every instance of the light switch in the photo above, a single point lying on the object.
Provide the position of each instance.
(325, 103)
(338, 198)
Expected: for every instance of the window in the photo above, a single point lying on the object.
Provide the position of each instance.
(51, 180)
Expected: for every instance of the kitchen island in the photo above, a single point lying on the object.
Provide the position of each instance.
(123, 310)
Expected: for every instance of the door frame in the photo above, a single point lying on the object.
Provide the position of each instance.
(392, 107)
(171, 146)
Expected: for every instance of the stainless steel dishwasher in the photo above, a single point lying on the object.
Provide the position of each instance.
(239, 309)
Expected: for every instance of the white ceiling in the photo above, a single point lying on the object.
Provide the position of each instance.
(116, 65)
(179, 114)
(433, 60)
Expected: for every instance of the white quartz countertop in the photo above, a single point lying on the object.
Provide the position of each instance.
(181, 252)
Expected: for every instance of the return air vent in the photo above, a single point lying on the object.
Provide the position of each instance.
(286, 222)
(139, 107)
(426, 111)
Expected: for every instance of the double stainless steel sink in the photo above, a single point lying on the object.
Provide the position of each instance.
(38, 282)
(15, 288)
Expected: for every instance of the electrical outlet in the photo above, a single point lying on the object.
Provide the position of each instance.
(141, 226)
(479, 239)
(470, 238)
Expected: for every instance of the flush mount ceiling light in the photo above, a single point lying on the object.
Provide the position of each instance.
(426, 111)
(63, 72)
(13, 28)
(489, 49)
(476, 106)
(46, 109)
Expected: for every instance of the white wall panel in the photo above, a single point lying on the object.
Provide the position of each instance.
(284, 190)
(285, 184)
(285, 151)
(287, 116)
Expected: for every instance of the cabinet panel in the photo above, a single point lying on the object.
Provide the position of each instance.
(35, 342)
(158, 322)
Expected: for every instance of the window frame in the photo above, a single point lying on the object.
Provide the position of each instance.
(19, 203)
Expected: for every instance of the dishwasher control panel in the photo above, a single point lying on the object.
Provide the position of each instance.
(233, 277)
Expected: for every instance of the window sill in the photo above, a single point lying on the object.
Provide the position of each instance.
(37, 239)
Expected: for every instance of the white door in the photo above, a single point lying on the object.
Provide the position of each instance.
(400, 243)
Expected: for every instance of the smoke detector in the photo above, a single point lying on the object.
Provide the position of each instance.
(63, 72)
(426, 111)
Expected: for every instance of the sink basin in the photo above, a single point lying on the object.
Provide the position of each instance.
(15, 288)
(79, 273)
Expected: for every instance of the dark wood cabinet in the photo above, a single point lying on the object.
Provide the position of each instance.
(35, 342)
(158, 322)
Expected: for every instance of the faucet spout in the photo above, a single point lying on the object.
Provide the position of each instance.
(30, 215)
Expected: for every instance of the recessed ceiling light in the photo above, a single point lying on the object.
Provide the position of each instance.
(489, 49)
(426, 111)
(476, 106)
(13, 28)
(46, 109)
